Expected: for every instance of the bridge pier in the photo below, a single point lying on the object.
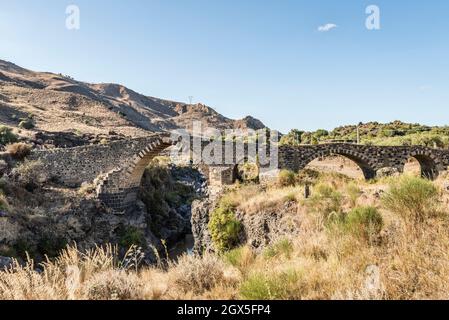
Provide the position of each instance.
(121, 201)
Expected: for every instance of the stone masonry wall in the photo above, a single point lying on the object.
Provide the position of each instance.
(73, 166)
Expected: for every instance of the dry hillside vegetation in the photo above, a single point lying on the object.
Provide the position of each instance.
(385, 239)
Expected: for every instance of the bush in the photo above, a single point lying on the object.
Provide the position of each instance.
(261, 286)
(18, 150)
(113, 285)
(30, 174)
(197, 274)
(240, 258)
(281, 248)
(130, 236)
(50, 245)
(291, 197)
(286, 178)
(7, 136)
(224, 227)
(412, 198)
(27, 124)
(325, 200)
(364, 222)
(248, 172)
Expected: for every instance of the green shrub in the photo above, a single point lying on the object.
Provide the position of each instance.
(260, 286)
(286, 178)
(7, 136)
(240, 258)
(50, 245)
(291, 197)
(412, 198)
(325, 200)
(364, 222)
(27, 124)
(129, 236)
(22, 247)
(283, 247)
(224, 227)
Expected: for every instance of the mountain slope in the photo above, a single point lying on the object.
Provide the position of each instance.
(58, 103)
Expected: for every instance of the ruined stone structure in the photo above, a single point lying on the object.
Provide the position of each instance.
(116, 169)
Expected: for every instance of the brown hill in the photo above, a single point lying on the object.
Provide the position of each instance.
(60, 104)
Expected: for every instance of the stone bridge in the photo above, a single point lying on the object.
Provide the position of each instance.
(116, 169)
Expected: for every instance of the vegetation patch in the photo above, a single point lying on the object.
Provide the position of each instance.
(286, 178)
(283, 247)
(241, 258)
(18, 151)
(51, 245)
(224, 226)
(413, 198)
(131, 236)
(325, 200)
(7, 136)
(363, 222)
(196, 274)
(266, 286)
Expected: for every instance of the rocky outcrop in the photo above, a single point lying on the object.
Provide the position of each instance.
(200, 220)
(258, 230)
(45, 220)
(265, 228)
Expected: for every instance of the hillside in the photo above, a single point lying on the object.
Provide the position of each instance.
(54, 103)
(395, 133)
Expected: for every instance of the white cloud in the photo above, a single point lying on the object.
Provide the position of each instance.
(327, 27)
(425, 87)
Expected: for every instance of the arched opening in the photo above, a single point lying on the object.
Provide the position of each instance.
(421, 165)
(412, 167)
(246, 172)
(348, 165)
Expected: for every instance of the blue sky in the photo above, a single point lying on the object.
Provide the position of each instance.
(261, 58)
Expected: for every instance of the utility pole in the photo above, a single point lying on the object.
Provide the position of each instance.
(190, 99)
(358, 132)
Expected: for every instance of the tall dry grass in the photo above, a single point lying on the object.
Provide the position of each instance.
(376, 252)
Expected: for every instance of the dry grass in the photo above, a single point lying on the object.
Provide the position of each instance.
(253, 199)
(401, 260)
(18, 150)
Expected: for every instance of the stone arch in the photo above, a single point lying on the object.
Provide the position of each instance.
(118, 189)
(362, 161)
(429, 163)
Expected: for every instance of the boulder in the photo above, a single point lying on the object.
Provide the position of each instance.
(388, 172)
